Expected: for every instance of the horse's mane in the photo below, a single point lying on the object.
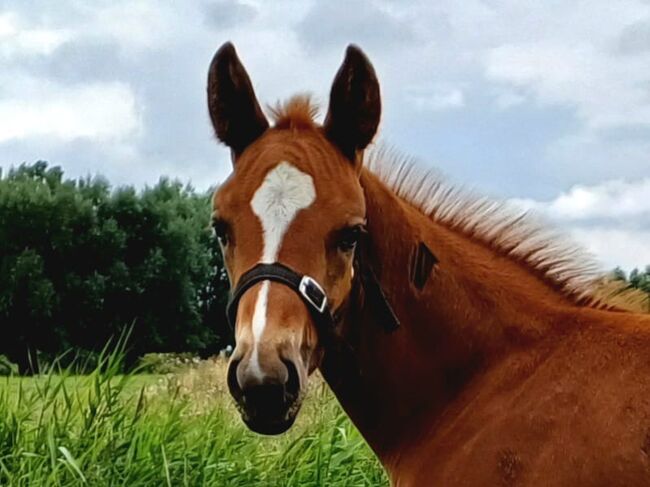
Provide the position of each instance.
(519, 235)
(511, 232)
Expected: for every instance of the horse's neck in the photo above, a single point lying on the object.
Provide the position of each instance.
(475, 308)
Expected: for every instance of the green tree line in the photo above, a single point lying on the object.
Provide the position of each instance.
(80, 262)
(638, 279)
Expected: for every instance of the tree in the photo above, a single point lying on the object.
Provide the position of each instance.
(79, 263)
(637, 280)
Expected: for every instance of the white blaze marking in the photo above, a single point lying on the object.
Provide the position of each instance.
(284, 192)
(259, 322)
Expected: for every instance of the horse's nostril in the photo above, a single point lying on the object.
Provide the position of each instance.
(293, 379)
(233, 383)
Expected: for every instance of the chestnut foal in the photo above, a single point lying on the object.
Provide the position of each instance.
(464, 343)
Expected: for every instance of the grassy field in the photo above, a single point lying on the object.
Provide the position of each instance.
(180, 429)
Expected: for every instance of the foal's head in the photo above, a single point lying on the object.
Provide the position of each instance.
(293, 198)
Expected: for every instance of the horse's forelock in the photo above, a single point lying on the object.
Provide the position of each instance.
(299, 112)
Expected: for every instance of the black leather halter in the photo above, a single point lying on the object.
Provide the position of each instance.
(313, 294)
(309, 290)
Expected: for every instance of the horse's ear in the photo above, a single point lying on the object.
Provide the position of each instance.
(355, 104)
(236, 115)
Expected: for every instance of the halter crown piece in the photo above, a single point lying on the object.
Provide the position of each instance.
(313, 294)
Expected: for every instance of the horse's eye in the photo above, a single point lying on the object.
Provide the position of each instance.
(349, 237)
(220, 228)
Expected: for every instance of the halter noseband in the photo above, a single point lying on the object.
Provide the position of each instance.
(309, 290)
(313, 294)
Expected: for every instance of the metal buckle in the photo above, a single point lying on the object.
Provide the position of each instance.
(304, 287)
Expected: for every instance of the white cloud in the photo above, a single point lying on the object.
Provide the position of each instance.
(611, 199)
(582, 76)
(134, 25)
(610, 219)
(140, 24)
(437, 98)
(100, 111)
(615, 246)
(7, 26)
(480, 69)
(505, 99)
(16, 40)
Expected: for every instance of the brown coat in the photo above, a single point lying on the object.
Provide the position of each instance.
(495, 378)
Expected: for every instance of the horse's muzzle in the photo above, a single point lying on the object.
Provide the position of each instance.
(269, 405)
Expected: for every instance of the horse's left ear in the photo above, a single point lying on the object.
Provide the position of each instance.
(355, 104)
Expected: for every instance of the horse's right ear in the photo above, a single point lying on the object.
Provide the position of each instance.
(236, 115)
(355, 104)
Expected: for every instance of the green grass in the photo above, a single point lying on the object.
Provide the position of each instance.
(134, 430)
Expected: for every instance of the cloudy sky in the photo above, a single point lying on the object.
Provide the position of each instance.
(546, 103)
